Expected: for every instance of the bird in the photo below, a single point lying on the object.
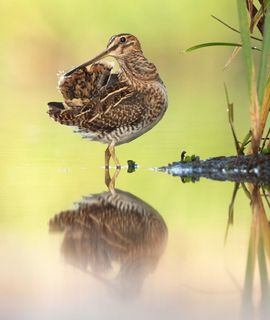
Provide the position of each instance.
(108, 234)
(112, 107)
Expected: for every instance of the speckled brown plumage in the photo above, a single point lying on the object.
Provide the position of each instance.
(110, 228)
(112, 108)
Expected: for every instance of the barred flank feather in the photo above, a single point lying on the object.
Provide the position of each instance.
(65, 117)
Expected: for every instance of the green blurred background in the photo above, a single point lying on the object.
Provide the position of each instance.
(44, 166)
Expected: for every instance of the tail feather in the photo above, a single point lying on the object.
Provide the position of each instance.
(64, 116)
(56, 105)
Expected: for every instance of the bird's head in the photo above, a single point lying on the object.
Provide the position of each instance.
(119, 46)
(122, 44)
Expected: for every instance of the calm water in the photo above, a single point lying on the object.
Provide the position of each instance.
(153, 249)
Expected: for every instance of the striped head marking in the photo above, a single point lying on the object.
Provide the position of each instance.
(122, 44)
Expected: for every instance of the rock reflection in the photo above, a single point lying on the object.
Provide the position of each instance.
(251, 169)
(114, 236)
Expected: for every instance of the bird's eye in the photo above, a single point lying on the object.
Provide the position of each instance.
(122, 39)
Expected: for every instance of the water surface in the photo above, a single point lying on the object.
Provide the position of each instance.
(91, 269)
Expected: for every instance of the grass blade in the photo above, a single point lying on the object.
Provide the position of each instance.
(245, 141)
(216, 44)
(231, 211)
(231, 120)
(212, 44)
(232, 28)
(250, 70)
(245, 36)
(247, 302)
(256, 17)
(262, 75)
(235, 52)
(265, 106)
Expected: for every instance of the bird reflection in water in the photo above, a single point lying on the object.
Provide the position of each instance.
(114, 236)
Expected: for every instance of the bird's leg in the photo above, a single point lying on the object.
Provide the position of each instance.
(107, 158)
(113, 155)
(113, 180)
(110, 182)
(107, 177)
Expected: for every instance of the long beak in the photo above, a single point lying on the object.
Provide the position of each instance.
(103, 54)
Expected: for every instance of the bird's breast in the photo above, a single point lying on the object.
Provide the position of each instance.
(155, 99)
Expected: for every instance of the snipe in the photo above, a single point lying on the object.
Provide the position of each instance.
(112, 108)
(117, 238)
